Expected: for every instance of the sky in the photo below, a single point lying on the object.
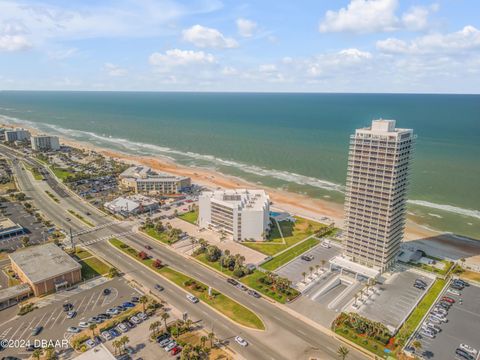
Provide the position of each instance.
(387, 46)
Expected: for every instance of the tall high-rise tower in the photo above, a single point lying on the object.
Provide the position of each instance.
(376, 193)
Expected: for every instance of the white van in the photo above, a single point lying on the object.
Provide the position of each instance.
(326, 244)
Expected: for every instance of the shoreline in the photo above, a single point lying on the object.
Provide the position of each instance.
(294, 203)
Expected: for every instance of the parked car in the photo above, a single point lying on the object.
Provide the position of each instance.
(453, 291)
(67, 307)
(461, 282)
(114, 332)
(106, 291)
(164, 342)
(135, 299)
(325, 244)
(307, 257)
(464, 354)
(159, 287)
(232, 281)
(448, 299)
(90, 343)
(73, 329)
(469, 349)
(420, 281)
(135, 320)
(419, 286)
(142, 316)
(241, 341)
(176, 350)
(192, 298)
(128, 304)
(162, 337)
(456, 286)
(83, 324)
(106, 335)
(170, 346)
(71, 314)
(427, 334)
(122, 328)
(433, 320)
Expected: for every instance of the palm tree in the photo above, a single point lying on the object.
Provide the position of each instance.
(37, 353)
(116, 345)
(92, 327)
(304, 274)
(143, 300)
(154, 327)
(124, 340)
(203, 340)
(323, 262)
(342, 352)
(188, 324)
(211, 336)
(25, 241)
(165, 316)
(311, 270)
(50, 353)
(317, 267)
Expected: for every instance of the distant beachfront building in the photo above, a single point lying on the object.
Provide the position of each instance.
(241, 214)
(376, 196)
(144, 180)
(45, 143)
(17, 135)
(131, 205)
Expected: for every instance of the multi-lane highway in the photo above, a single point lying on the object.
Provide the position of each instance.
(286, 337)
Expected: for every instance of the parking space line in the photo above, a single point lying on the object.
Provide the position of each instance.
(58, 316)
(5, 333)
(20, 327)
(98, 298)
(38, 324)
(79, 306)
(26, 328)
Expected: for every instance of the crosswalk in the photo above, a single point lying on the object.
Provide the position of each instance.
(108, 237)
(99, 227)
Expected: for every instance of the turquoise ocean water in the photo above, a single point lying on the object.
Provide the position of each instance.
(297, 142)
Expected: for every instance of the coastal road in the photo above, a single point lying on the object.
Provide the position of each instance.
(286, 337)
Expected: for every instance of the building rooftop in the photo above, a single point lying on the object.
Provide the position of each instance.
(7, 224)
(382, 127)
(43, 262)
(99, 352)
(129, 203)
(145, 173)
(14, 291)
(242, 198)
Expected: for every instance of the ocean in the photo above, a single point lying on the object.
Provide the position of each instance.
(297, 142)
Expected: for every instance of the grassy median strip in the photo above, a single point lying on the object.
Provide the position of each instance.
(81, 218)
(225, 305)
(36, 174)
(53, 197)
(290, 254)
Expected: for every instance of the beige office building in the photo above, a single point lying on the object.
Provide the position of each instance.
(45, 143)
(376, 193)
(145, 180)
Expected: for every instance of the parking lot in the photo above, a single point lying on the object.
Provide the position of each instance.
(294, 269)
(463, 327)
(393, 301)
(51, 316)
(17, 213)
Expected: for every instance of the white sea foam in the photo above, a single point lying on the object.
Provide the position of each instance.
(150, 149)
(449, 208)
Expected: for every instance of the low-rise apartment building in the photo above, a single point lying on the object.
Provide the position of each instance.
(242, 214)
(145, 180)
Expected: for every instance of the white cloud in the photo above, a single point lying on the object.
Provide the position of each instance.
(176, 57)
(205, 37)
(62, 54)
(361, 16)
(115, 70)
(464, 40)
(13, 43)
(366, 16)
(245, 27)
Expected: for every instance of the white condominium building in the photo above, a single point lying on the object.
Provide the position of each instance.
(376, 193)
(16, 135)
(45, 143)
(144, 180)
(242, 214)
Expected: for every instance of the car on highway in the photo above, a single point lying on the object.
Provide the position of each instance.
(73, 330)
(254, 294)
(242, 287)
(192, 298)
(37, 330)
(159, 287)
(148, 247)
(71, 314)
(241, 341)
(232, 281)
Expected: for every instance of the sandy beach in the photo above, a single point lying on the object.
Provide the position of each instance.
(294, 203)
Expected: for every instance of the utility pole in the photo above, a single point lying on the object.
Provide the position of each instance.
(72, 243)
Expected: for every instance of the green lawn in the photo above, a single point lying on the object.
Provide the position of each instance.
(447, 266)
(292, 233)
(370, 344)
(163, 237)
(60, 173)
(252, 280)
(190, 216)
(82, 254)
(218, 301)
(80, 217)
(34, 171)
(290, 254)
(421, 309)
(92, 267)
(215, 264)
